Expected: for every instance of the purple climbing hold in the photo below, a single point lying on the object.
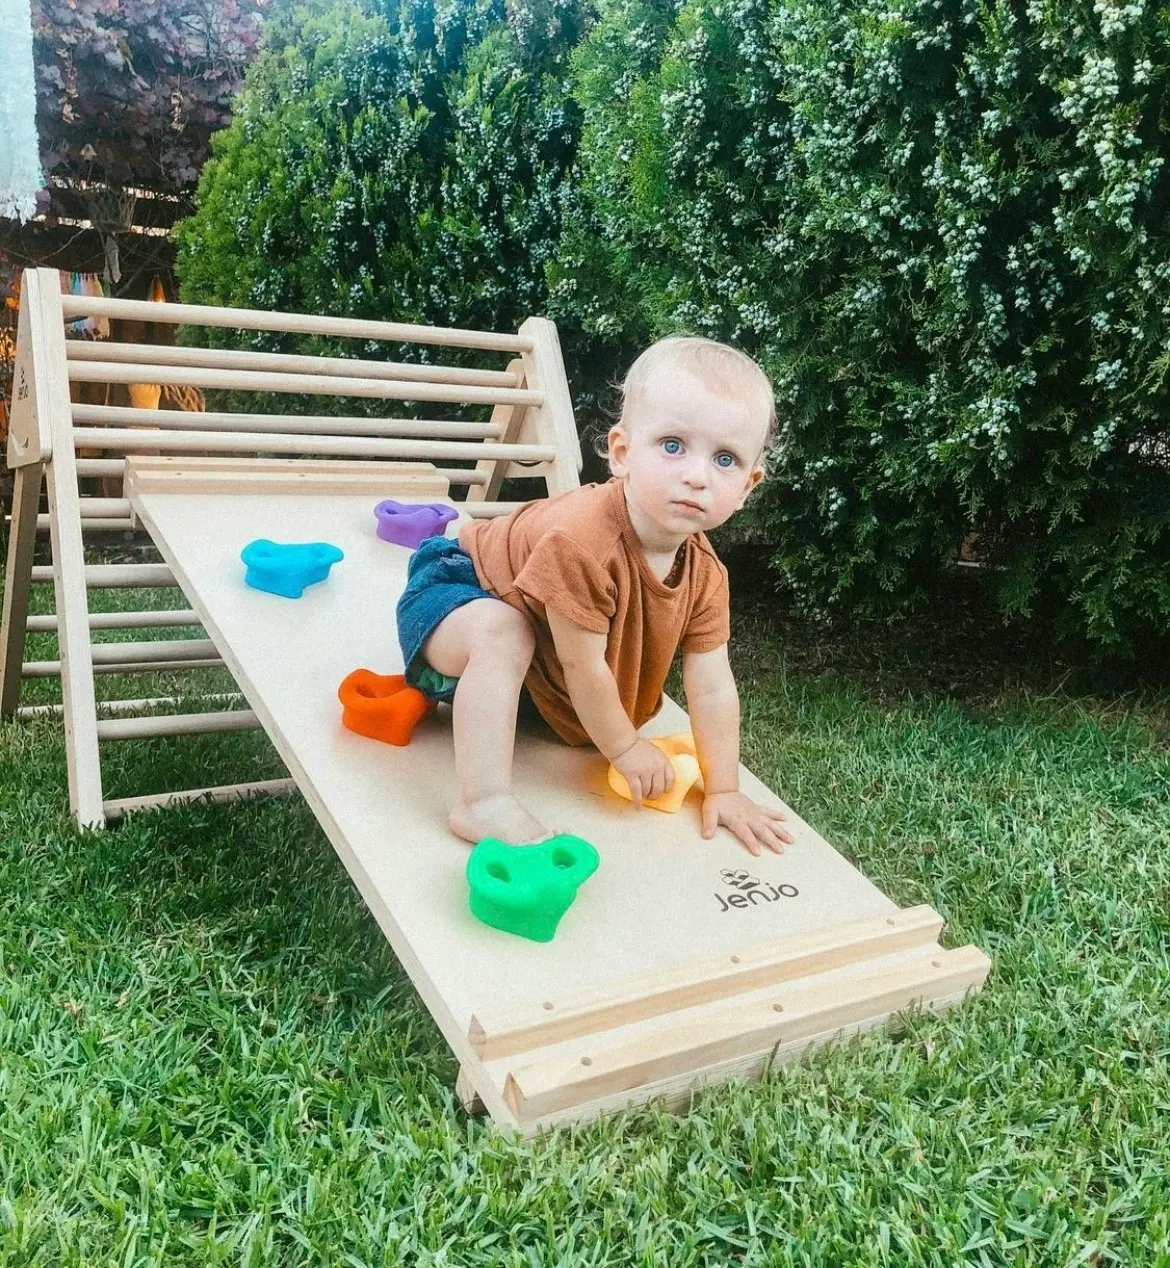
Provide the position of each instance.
(411, 523)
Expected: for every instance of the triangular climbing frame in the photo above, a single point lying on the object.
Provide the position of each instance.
(682, 962)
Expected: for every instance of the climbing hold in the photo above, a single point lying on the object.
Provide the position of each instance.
(409, 523)
(381, 706)
(287, 569)
(526, 889)
(681, 751)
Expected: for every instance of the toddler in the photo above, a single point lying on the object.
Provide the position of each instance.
(582, 600)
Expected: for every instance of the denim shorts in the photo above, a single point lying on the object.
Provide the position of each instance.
(439, 578)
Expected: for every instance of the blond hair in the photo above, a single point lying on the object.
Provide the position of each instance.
(724, 369)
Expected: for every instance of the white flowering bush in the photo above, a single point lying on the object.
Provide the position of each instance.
(942, 226)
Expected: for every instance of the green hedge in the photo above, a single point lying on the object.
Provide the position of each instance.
(392, 161)
(942, 227)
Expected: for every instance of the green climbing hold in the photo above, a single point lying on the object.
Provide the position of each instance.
(526, 889)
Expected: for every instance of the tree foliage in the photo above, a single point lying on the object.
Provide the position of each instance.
(130, 91)
(393, 160)
(942, 224)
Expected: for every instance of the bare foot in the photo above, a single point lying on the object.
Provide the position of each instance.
(502, 817)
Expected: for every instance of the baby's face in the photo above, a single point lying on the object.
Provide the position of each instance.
(690, 456)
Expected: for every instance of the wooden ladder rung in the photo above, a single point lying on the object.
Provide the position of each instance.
(116, 576)
(121, 620)
(133, 706)
(94, 526)
(177, 724)
(121, 806)
(159, 649)
(52, 668)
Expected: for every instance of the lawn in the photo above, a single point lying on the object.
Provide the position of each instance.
(209, 1055)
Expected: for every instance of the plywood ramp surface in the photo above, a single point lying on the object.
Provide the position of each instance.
(665, 971)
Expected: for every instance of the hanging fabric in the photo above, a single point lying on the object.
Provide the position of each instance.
(20, 163)
(90, 286)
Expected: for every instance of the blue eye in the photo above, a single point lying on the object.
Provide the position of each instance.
(725, 460)
(671, 445)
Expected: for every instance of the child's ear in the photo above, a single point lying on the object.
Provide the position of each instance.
(618, 448)
(754, 478)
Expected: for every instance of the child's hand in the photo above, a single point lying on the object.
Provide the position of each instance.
(755, 825)
(647, 770)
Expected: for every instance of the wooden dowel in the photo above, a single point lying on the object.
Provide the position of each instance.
(104, 508)
(116, 467)
(134, 706)
(486, 510)
(289, 424)
(93, 526)
(132, 440)
(52, 668)
(177, 724)
(157, 649)
(101, 467)
(121, 806)
(116, 576)
(292, 323)
(281, 363)
(301, 384)
(121, 620)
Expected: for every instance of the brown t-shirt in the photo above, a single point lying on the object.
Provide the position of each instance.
(578, 554)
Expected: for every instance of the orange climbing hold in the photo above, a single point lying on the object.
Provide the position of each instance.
(381, 706)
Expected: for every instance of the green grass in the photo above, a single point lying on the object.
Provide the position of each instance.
(208, 1054)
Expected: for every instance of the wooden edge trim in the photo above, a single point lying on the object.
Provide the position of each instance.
(796, 1013)
(677, 1093)
(148, 474)
(508, 1031)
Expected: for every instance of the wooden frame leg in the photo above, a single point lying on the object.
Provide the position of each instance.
(22, 538)
(467, 1095)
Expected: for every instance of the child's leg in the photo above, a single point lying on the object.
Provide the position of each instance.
(488, 646)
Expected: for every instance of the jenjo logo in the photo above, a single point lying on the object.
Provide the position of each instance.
(748, 890)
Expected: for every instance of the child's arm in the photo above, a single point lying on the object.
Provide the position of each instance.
(598, 706)
(713, 704)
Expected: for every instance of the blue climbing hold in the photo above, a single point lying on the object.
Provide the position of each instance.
(287, 569)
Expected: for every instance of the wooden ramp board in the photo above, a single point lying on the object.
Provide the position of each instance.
(681, 962)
